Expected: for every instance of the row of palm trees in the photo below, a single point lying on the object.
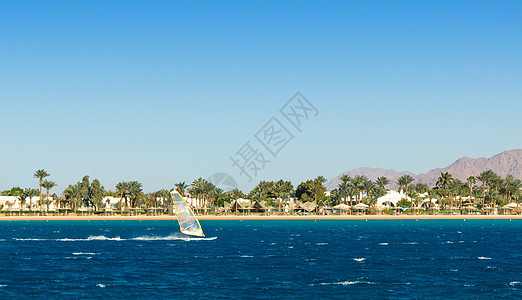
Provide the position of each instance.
(492, 191)
(30, 193)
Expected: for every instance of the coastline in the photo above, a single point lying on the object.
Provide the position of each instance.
(260, 217)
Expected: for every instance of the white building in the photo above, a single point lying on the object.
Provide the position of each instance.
(11, 203)
(393, 197)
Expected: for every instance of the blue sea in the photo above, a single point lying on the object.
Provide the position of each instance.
(298, 259)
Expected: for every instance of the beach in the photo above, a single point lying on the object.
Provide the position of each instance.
(260, 217)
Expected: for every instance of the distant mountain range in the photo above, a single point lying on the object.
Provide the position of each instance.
(507, 162)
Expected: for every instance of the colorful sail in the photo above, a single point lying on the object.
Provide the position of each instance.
(188, 223)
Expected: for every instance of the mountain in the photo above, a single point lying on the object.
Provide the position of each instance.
(371, 173)
(507, 162)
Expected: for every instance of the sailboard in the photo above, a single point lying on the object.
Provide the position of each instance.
(188, 223)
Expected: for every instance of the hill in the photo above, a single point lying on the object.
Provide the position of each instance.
(507, 162)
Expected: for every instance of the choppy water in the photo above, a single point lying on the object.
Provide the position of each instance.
(475, 259)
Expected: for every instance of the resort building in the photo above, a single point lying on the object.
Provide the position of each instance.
(12, 203)
(393, 197)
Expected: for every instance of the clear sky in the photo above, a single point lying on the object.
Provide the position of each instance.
(168, 91)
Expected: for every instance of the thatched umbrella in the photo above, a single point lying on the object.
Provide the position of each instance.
(342, 207)
(308, 206)
(292, 206)
(261, 205)
(469, 208)
(360, 207)
(245, 206)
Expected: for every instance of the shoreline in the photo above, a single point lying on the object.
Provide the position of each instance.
(260, 217)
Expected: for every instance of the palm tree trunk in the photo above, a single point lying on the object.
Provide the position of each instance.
(41, 195)
(483, 195)
(121, 203)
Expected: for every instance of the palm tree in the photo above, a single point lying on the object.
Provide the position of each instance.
(122, 188)
(356, 187)
(443, 182)
(471, 181)
(344, 186)
(404, 181)
(135, 190)
(235, 194)
(318, 189)
(216, 194)
(485, 177)
(198, 190)
(382, 182)
(48, 185)
(279, 188)
(22, 199)
(181, 187)
(41, 174)
(31, 193)
(413, 194)
(432, 194)
(367, 186)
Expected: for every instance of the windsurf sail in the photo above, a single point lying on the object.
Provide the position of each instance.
(188, 223)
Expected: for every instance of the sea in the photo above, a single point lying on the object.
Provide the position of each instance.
(258, 259)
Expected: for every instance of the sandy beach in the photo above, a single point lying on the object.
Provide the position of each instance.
(260, 217)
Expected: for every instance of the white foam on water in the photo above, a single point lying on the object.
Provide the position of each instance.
(448, 242)
(92, 238)
(3, 285)
(100, 285)
(159, 238)
(83, 253)
(348, 282)
(173, 237)
(117, 238)
(245, 256)
(383, 244)
(321, 244)
(482, 257)
(360, 259)
(513, 283)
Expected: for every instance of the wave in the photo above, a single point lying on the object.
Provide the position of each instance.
(348, 283)
(117, 238)
(482, 257)
(158, 238)
(83, 253)
(513, 283)
(383, 244)
(360, 259)
(92, 238)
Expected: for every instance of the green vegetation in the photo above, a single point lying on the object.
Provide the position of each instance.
(483, 192)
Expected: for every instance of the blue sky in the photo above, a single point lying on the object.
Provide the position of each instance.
(168, 91)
